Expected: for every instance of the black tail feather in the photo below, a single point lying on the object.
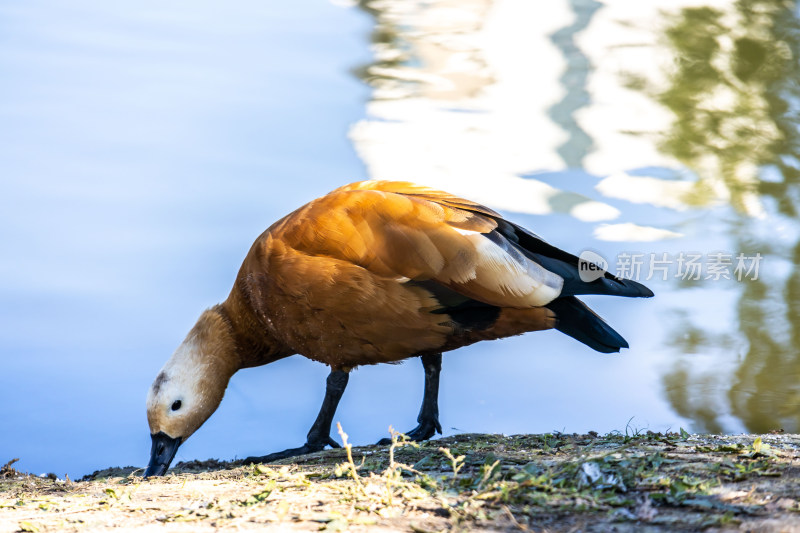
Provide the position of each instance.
(582, 324)
(566, 265)
(575, 286)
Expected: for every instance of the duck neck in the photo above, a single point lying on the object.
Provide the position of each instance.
(255, 344)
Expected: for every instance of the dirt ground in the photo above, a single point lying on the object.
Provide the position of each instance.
(644, 482)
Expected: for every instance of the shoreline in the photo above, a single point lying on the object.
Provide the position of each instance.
(554, 482)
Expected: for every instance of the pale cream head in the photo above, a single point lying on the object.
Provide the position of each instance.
(191, 384)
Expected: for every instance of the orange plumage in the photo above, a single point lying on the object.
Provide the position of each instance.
(377, 272)
(332, 279)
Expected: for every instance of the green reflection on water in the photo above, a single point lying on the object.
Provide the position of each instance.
(735, 93)
(729, 96)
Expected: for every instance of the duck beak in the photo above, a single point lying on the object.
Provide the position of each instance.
(161, 453)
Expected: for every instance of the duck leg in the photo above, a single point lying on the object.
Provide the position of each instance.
(320, 434)
(429, 412)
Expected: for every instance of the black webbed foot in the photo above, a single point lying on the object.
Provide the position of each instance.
(429, 412)
(308, 447)
(424, 431)
(319, 435)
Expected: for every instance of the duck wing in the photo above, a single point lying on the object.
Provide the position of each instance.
(403, 230)
(407, 232)
(474, 265)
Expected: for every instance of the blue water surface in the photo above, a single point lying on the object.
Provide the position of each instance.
(144, 146)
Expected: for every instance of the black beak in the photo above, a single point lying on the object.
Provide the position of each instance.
(161, 453)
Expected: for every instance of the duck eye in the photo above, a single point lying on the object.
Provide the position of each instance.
(176, 405)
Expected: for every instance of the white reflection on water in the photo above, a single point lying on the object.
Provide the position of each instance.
(469, 113)
(488, 136)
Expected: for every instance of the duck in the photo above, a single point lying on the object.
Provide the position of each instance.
(374, 272)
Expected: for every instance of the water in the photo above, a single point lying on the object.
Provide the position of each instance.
(145, 147)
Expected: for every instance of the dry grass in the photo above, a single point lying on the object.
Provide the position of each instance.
(646, 482)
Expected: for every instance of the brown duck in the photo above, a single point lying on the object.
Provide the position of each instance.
(374, 272)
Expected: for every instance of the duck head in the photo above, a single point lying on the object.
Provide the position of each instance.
(189, 388)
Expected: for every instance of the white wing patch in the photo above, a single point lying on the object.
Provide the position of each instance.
(503, 270)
